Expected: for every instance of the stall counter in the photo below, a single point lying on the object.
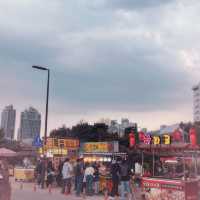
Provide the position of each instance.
(24, 174)
(166, 189)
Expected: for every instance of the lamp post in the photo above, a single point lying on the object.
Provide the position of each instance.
(47, 100)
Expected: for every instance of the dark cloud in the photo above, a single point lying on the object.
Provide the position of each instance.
(100, 60)
(136, 4)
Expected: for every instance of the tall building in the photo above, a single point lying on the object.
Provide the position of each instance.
(196, 103)
(30, 125)
(8, 117)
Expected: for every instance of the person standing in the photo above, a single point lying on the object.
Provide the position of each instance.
(79, 174)
(125, 179)
(50, 174)
(67, 176)
(96, 179)
(59, 175)
(38, 171)
(115, 172)
(89, 173)
(5, 189)
(43, 172)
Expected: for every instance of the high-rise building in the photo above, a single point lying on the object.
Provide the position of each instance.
(8, 117)
(196, 103)
(30, 125)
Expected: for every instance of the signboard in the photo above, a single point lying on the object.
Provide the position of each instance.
(37, 142)
(157, 189)
(100, 147)
(62, 143)
(54, 151)
(156, 139)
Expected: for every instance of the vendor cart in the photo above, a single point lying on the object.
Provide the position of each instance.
(24, 174)
(165, 189)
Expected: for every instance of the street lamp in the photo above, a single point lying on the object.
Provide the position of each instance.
(47, 100)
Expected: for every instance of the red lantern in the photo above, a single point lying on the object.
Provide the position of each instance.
(131, 139)
(177, 136)
(193, 136)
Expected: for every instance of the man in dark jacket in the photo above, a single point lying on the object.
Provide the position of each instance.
(79, 176)
(125, 179)
(115, 172)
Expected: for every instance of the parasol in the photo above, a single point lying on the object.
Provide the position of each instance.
(7, 153)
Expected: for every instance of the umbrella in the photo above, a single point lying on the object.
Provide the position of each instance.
(7, 153)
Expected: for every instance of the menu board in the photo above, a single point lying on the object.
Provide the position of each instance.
(62, 143)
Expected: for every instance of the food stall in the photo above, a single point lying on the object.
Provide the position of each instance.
(172, 184)
(58, 149)
(102, 153)
(166, 189)
(24, 174)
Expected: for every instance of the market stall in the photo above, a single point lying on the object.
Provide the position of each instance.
(102, 153)
(180, 180)
(58, 149)
(24, 174)
(167, 189)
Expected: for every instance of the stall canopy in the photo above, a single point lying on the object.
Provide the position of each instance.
(7, 153)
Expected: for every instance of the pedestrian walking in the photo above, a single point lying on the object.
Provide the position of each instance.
(67, 176)
(89, 173)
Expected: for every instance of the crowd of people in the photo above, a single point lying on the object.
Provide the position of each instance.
(85, 178)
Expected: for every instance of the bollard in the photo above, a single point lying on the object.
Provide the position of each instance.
(34, 187)
(21, 185)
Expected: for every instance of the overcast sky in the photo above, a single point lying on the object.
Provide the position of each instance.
(108, 59)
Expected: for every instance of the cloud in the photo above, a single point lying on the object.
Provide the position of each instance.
(105, 56)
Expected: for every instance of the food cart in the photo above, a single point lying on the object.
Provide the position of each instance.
(24, 174)
(166, 189)
(170, 186)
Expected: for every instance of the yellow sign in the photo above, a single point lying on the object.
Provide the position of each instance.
(166, 139)
(54, 151)
(156, 140)
(98, 147)
(62, 143)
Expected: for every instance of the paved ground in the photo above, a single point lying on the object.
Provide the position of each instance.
(26, 192)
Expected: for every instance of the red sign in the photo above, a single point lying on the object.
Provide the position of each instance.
(193, 136)
(162, 184)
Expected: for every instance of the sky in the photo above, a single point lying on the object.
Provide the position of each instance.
(108, 59)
